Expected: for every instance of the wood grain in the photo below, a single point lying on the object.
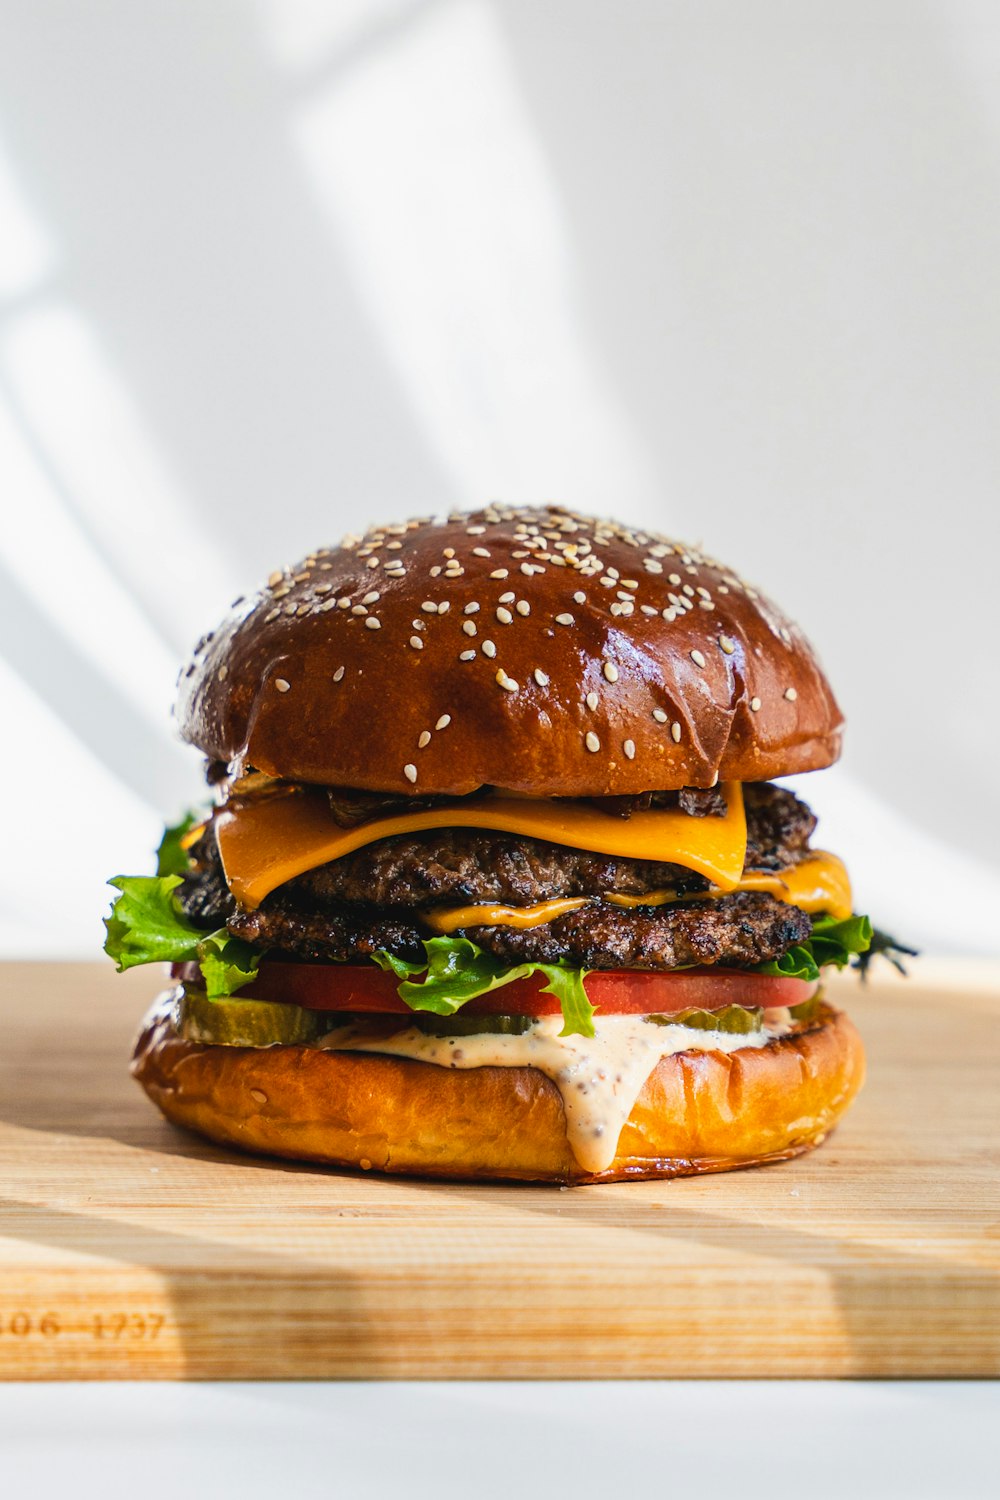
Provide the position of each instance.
(130, 1249)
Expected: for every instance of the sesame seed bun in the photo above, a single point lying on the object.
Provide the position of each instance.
(698, 1111)
(531, 649)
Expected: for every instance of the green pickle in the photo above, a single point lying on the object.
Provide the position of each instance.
(733, 1018)
(471, 1025)
(238, 1022)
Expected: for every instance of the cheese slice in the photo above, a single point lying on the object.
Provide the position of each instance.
(450, 918)
(819, 884)
(264, 844)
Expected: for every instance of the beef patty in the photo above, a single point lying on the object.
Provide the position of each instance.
(461, 865)
(353, 906)
(744, 928)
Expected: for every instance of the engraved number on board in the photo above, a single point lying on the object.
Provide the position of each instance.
(118, 1326)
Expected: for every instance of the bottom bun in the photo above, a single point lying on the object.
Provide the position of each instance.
(698, 1111)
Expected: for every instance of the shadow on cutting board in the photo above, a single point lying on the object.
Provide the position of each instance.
(274, 1269)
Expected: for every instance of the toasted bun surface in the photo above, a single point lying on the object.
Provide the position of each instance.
(699, 1111)
(490, 631)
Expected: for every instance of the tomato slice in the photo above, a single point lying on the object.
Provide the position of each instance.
(358, 987)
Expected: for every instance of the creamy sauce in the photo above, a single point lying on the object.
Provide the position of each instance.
(599, 1078)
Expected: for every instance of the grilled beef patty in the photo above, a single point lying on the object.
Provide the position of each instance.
(461, 865)
(370, 899)
(745, 928)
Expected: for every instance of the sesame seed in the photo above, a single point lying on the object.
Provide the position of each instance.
(659, 716)
(649, 609)
(448, 552)
(727, 645)
(338, 676)
(344, 602)
(754, 705)
(327, 605)
(371, 598)
(480, 552)
(540, 677)
(471, 609)
(372, 624)
(508, 598)
(444, 607)
(416, 643)
(610, 671)
(424, 740)
(499, 573)
(273, 615)
(591, 741)
(281, 684)
(275, 579)
(564, 620)
(469, 627)
(410, 772)
(675, 733)
(523, 607)
(697, 658)
(429, 607)
(466, 656)
(443, 722)
(489, 649)
(474, 530)
(591, 701)
(504, 616)
(629, 748)
(372, 562)
(224, 673)
(579, 597)
(435, 572)
(790, 693)
(358, 609)
(507, 683)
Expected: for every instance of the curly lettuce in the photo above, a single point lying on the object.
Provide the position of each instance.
(147, 926)
(456, 970)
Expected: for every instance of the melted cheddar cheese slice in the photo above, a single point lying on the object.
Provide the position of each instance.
(819, 884)
(267, 843)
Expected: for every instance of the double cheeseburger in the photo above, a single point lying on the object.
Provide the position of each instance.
(497, 882)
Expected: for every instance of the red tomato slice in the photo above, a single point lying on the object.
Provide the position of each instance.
(356, 987)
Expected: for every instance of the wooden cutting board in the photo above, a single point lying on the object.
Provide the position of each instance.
(131, 1249)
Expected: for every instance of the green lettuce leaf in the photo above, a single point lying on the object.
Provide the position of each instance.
(832, 941)
(456, 970)
(146, 926)
(171, 857)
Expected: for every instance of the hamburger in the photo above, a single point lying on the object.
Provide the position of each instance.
(497, 881)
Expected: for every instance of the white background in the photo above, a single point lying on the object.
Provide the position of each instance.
(270, 270)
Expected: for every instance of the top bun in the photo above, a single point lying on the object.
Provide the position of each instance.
(531, 649)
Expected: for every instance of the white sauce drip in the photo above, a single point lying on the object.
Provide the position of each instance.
(599, 1078)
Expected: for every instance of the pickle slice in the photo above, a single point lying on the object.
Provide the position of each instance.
(731, 1018)
(808, 1010)
(470, 1025)
(236, 1022)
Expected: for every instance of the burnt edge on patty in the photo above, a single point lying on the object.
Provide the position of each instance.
(366, 901)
